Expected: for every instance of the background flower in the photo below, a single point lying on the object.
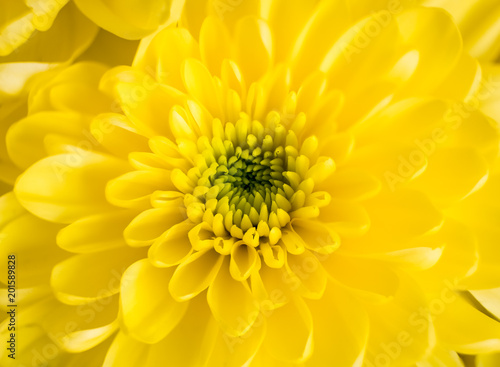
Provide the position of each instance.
(40, 34)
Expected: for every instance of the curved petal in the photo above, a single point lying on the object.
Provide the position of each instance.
(340, 329)
(68, 187)
(195, 274)
(401, 331)
(466, 329)
(289, 335)
(95, 233)
(235, 314)
(149, 311)
(253, 48)
(173, 246)
(33, 240)
(25, 139)
(88, 277)
(129, 19)
(126, 351)
(144, 229)
(198, 330)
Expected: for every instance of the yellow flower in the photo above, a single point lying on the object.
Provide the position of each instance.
(281, 183)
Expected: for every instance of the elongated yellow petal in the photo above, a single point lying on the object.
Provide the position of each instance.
(144, 298)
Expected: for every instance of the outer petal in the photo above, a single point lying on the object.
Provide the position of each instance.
(191, 342)
(69, 35)
(401, 331)
(84, 278)
(340, 329)
(289, 334)
(126, 351)
(67, 187)
(129, 19)
(33, 240)
(149, 311)
(95, 233)
(466, 329)
(235, 314)
(195, 274)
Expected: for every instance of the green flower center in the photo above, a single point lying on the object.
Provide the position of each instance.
(250, 179)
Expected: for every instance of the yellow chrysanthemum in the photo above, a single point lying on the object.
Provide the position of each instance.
(271, 183)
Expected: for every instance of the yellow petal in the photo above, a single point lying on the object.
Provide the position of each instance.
(401, 330)
(372, 279)
(339, 337)
(489, 299)
(123, 50)
(485, 275)
(200, 85)
(67, 37)
(238, 351)
(95, 233)
(195, 274)
(310, 48)
(91, 324)
(149, 312)
(130, 20)
(32, 239)
(346, 218)
(144, 229)
(166, 53)
(47, 93)
(111, 130)
(466, 329)
(488, 360)
(352, 185)
(442, 356)
(452, 175)
(289, 334)
(253, 48)
(198, 330)
(231, 13)
(244, 260)
(87, 277)
(173, 246)
(214, 44)
(126, 351)
(68, 187)
(25, 139)
(480, 210)
(134, 189)
(287, 19)
(402, 214)
(143, 100)
(435, 60)
(236, 314)
(310, 273)
(316, 236)
(80, 341)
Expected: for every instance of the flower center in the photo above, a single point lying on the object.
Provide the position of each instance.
(250, 179)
